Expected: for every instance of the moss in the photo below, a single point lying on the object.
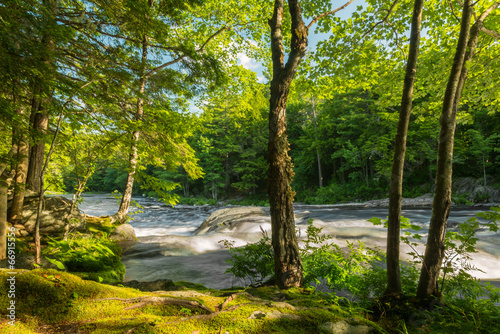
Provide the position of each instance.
(59, 302)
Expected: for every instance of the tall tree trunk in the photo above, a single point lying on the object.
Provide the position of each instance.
(396, 185)
(434, 251)
(38, 246)
(288, 265)
(320, 173)
(133, 157)
(5, 180)
(42, 101)
(40, 120)
(21, 167)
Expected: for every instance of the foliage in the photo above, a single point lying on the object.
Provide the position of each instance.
(87, 255)
(253, 262)
(324, 263)
(457, 269)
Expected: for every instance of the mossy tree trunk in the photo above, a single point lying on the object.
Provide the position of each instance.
(396, 185)
(288, 265)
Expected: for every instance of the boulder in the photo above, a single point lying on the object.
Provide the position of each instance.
(123, 233)
(230, 218)
(475, 191)
(54, 217)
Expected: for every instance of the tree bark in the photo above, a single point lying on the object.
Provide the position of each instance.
(396, 185)
(133, 157)
(434, 251)
(39, 125)
(21, 167)
(38, 246)
(5, 179)
(42, 100)
(320, 172)
(288, 265)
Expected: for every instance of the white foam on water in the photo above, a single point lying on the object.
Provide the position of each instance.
(163, 231)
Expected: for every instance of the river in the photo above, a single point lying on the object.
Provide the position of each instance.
(168, 249)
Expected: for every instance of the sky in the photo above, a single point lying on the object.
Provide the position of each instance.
(314, 38)
(251, 64)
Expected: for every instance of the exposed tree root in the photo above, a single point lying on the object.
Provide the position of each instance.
(143, 301)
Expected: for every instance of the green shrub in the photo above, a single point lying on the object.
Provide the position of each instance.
(253, 262)
(323, 263)
(91, 258)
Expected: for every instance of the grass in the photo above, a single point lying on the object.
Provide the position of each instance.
(50, 301)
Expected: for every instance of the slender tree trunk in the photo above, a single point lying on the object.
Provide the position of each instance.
(133, 157)
(434, 251)
(42, 100)
(40, 120)
(5, 180)
(38, 247)
(320, 173)
(396, 185)
(21, 167)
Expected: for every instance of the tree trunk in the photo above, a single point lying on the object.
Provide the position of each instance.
(39, 125)
(396, 185)
(21, 167)
(38, 247)
(42, 100)
(5, 180)
(288, 265)
(320, 173)
(434, 251)
(133, 157)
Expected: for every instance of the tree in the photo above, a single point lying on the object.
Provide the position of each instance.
(434, 251)
(396, 185)
(288, 266)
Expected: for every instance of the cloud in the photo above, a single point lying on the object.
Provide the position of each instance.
(247, 62)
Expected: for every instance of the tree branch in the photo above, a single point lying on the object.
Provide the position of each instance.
(493, 33)
(328, 13)
(174, 61)
(389, 12)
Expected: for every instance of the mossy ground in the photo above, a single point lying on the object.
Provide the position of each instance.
(49, 301)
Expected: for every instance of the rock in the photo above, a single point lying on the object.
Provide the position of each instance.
(53, 220)
(258, 315)
(229, 218)
(475, 191)
(123, 233)
(158, 285)
(342, 327)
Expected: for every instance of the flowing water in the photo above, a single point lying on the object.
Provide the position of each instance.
(167, 247)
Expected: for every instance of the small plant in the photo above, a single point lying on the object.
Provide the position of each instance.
(459, 245)
(253, 262)
(86, 255)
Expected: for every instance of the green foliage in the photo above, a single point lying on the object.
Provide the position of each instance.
(97, 257)
(457, 278)
(253, 262)
(347, 192)
(323, 263)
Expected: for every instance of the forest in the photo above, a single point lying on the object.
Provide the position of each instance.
(255, 103)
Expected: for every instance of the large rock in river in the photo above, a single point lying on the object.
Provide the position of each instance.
(233, 219)
(230, 218)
